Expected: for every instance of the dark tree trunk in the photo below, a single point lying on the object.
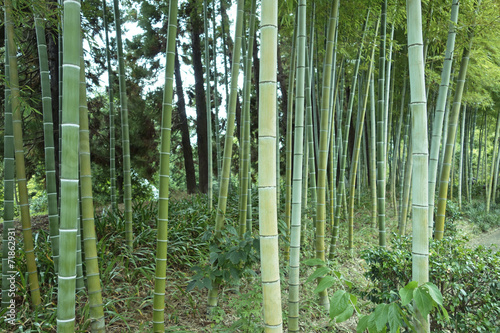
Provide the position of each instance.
(201, 122)
(186, 143)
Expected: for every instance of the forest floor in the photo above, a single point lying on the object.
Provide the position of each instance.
(239, 305)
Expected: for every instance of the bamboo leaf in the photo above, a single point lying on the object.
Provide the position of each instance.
(349, 311)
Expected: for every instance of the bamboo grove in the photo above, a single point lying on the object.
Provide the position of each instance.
(309, 104)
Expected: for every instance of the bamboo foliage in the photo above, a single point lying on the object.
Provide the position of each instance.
(162, 236)
(19, 157)
(293, 314)
(69, 167)
(127, 184)
(268, 218)
(418, 106)
(87, 214)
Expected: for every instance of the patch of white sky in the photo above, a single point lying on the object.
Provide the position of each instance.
(131, 29)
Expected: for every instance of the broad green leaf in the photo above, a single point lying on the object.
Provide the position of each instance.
(314, 262)
(320, 271)
(325, 283)
(381, 314)
(434, 292)
(346, 314)
(445, 313)
(213, 257)
(362, 324)
(206, 283)
(394, 318)
(234, 257)
(406, 293)
(353, 299)
(338, 303)
(423, 301)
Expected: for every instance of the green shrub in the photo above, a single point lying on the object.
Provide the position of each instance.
(467, 278)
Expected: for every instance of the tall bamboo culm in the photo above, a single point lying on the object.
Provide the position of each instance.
(323, 146)
(268, 214)
(127, 184)
(209, 107)
(437, 127)
(295, 226)
(87, 215)
(48, 133)
(69, 167)
(19, 157)
(228, 145)
(162, 236)
(112, 145)
(418, 106)
(9, 187)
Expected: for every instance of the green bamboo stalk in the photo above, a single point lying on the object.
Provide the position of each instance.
(288, 140)
(268, 219)
(437, 126)
(373, 156)
(418, 106)
(460, 166)
(112, 144)
(245, 156)
(48, 133)
(228, 146)
(489, 180)
(294, 281)
(162, 236)
(8, 235)
(397, 149)
(323, 145)
(347, 125)
(381, 131)
(450, 141)
(69, 167)
(216, 104)
(127, 184)
(19, 158)
(88, 226)
(407, 183)
(356, 149)
(209, 108)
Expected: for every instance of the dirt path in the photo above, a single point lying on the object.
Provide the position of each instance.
(487, 239)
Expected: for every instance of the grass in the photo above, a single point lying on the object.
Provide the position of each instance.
(128, 276)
